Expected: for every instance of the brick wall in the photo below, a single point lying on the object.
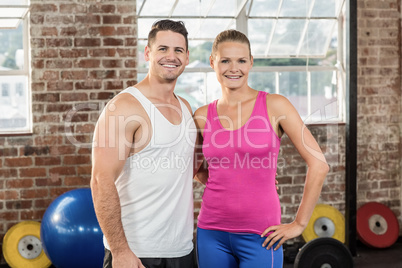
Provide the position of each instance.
(379, 103)
(84, 52)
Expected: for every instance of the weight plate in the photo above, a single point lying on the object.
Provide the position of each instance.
(326, 221)
(324, 252)
(22, 246)
(377, 225)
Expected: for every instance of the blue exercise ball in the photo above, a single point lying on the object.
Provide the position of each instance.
(70, 232)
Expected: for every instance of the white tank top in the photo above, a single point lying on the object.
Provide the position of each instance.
(155, 187)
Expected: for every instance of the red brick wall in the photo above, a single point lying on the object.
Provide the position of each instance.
(84, 53)
(379, 103)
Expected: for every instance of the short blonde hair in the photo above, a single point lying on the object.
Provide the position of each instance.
(230, 36)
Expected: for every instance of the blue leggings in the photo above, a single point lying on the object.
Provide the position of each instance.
(217, 249)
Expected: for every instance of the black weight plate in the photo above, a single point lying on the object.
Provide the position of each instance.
(324, 252)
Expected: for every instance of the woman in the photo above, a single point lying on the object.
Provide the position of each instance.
(239, 224)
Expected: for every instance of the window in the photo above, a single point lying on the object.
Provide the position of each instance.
(5, 92)
(19, 89)
(294, 44)
(15, 99)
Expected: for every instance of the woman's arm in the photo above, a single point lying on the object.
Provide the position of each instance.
(284, 117)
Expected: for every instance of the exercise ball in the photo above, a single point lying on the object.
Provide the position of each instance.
(70, 232)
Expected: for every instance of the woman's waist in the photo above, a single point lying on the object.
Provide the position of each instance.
(245, 204)
(244, 219)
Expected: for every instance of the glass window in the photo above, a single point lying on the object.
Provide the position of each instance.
(19, 89)
(324, 96)
(15, 101)
(12, 12)
(5, 92)
(263, 81)
(294, 44)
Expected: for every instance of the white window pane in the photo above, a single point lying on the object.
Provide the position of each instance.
(266, 8)
(324, 106)
(214, 90)
(156, 8)
(295, 8)
(139, 4)
(192, 26)
(223, 8)
(293, 85)
(14, 104)
(11, 49)
(14, 2)
(317, 38)
(12, 12)
(205, 8)
(197, 28)
(199, 54)
(144, 26)
(9, 23)
(327, 8)
(262, 81)
(191, 86)
(189, 8)
(259, 32)
(286, 37)
(210, 28)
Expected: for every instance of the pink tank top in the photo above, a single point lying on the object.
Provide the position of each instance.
(240, 195)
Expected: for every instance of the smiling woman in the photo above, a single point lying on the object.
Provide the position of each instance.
(232, 64)
(240, 224)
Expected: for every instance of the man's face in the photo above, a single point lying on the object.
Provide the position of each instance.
(167, 55)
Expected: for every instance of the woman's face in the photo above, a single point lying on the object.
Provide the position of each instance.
(232, 63)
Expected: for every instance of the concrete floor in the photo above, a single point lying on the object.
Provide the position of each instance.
(369, 258)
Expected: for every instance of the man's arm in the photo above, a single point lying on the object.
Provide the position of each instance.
(112, 142)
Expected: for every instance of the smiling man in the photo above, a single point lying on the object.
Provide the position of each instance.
(144, 204)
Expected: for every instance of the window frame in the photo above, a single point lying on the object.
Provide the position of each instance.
(23, 72)
(241, 20)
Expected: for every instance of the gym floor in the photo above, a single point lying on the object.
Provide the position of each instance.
(374, 258)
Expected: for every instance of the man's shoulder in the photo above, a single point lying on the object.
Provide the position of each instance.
(124, 102)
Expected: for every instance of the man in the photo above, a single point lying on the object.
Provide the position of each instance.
(142, 162)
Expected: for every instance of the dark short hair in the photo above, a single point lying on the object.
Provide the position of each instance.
(230, 36)
(167, 25)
